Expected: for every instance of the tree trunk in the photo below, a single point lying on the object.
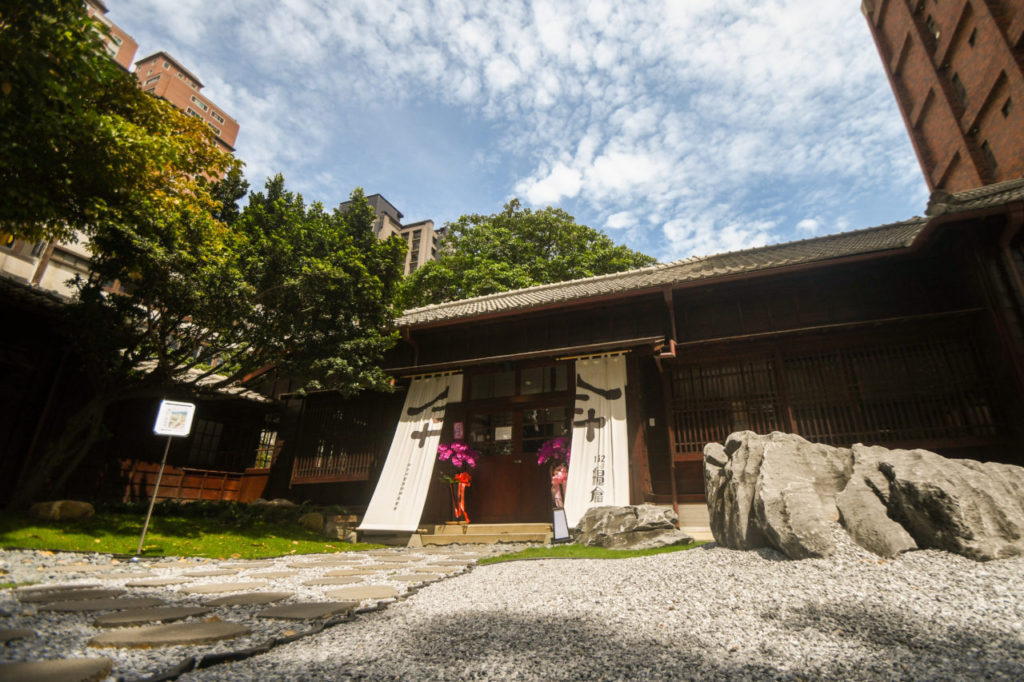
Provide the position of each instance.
(63, 455)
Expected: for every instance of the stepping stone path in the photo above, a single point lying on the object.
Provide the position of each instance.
(135, 610)
(218, 588)
(157, 582)
(61, 595)
(344, 580)
(415, 577)
(67, 670)
(10, 634)
(308, 611)
(101, 604)
(159, 614)
(249, 599)
(365, 592)
(272, 575)
(169, 635)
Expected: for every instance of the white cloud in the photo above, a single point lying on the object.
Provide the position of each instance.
(808, 225)
(769, 111)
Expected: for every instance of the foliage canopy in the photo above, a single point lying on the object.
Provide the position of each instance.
(485, 254)
(80, 143)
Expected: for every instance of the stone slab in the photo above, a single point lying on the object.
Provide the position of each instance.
(219, 588)
(64, 670)
(35, 589)
(210, 572)
(169, 635)
(10, 634)
(123, 575)
(102, 604)
(157, 582)
(158, 614)
(78, 568)
(340, 580)
(272, 575)
(399, 559)
(248, 599)
(389, 567)
(348, 571)
(243, 565)
(308, 610)
(415, 577)
(453, 562)
(364, 592)
(63, 595)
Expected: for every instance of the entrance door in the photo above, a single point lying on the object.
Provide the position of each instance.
(508, 484)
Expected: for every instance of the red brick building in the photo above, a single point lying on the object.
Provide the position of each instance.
(163, 76)
(957, 70)
(120, 46)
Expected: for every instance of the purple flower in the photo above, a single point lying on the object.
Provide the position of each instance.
(458, 453)
(555, 450)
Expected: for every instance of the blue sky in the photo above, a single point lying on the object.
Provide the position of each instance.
(680, 128)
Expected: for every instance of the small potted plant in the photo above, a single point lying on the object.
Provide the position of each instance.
(555, 453)
(459, 457)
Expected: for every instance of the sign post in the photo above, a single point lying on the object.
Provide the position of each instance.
(173, 420)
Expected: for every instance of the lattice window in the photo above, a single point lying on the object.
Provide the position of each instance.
(334, 444)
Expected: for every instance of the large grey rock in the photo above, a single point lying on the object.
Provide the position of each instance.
(783, 492)
(863, 506)
(796, 493)
(631, 527)
(971, 508)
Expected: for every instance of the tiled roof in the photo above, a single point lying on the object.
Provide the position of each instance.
(874, 239)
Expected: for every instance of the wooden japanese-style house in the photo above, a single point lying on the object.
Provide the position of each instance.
(904, 335)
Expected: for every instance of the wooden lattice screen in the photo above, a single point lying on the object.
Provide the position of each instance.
(933, 393)
(336, 443)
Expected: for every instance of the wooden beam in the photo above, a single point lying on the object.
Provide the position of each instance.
(651, 341)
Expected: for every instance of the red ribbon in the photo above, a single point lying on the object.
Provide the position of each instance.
(463, 479)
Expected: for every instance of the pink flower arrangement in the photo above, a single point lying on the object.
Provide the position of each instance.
(555, 450)
(458, 454)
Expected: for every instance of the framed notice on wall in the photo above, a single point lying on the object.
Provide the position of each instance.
(174, 418)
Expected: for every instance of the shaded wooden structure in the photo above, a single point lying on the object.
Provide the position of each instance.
(906, 335)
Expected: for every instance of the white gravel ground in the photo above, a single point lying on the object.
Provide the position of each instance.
(709, 613)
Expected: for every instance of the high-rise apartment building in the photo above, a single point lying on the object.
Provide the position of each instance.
(163, 76)
(956, 68)
(52, 265)
(421, 236)
(120, 46)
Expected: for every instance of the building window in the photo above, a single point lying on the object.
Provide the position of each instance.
(213, 128)
(1007, 107)
(265, 450)
(958, 88)
(200, 103)
(218, 117)
(153, 89)
(192, 112)
(986, 148)
(205, 442)
(152, 80)
(166, 65)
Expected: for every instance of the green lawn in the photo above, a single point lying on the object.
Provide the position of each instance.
(582, 552)
(190, 536)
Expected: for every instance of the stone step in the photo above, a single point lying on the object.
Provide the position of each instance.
(489, 528)
(484, 538)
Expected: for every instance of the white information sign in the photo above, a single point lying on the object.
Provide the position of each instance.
(174, 418)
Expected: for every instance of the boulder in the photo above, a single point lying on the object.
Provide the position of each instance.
(963, 506)
(279, 502)
(784, 492)
(313, 521)
(864, 506)
(341, 526)
(61, 510)
(632, 527)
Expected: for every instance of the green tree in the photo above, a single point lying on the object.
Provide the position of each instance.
(485, 254)
(80, 143)
(287, 284)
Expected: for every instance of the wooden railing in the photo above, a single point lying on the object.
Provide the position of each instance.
(188, 484)
(338, 467)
